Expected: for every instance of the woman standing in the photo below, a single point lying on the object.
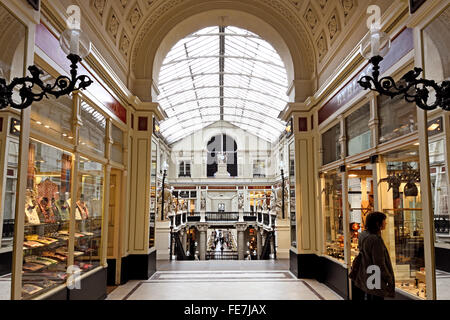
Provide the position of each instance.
(374, 257)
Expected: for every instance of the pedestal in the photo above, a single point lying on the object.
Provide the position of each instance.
(222, 171)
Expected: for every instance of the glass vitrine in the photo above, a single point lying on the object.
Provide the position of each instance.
(332, 209)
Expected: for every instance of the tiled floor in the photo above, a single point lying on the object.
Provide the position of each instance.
(224, 280)
(443, 285)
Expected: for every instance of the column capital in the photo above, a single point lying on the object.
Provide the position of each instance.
(240, 227)
(202, 227)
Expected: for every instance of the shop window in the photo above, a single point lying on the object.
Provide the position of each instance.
(9, 205)
(93, 130)
(359, 135)
(360, 202)
(117, 145)
(52, 117)
(88, 215)
(47, 214)
(332, 209)
(184, 169)
(259, 168)
(402, 204)
(153, 199)
(292, 199)
(439, 189)
(397, 117)
(331, 145)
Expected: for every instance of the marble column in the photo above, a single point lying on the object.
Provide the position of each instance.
(202, 228)
(259, 243)
(241, 227)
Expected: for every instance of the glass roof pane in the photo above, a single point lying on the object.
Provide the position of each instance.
(243, 82)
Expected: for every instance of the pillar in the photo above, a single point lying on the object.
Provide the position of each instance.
(259, 242)
(241, 227)
(202, 228)
(184, 238)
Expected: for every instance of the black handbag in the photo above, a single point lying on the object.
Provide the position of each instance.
(356, 265)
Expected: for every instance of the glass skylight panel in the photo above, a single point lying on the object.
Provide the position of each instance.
(254, 84)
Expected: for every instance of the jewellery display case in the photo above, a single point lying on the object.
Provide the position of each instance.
(47, 217)
(88, 215)
(333, 215)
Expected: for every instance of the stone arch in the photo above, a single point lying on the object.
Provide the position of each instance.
(280, 28)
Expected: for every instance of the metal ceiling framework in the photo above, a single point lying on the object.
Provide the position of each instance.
(222, 74)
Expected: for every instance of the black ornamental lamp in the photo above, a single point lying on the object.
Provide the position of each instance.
(374, 46)
(31, 88)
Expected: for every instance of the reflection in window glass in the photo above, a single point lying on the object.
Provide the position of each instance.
(359, 136)
(334, 215)
(9, 205)
(292, 199)
(153, 195)
(53, 116)
(360, 201)
(117, 146)
(88, 215)
(404, 234)
(92, 132)
(439, 189)
(331, 145)
(397, 117)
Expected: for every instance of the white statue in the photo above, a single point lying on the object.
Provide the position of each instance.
(203, 203)
(240, 200)
(222, 159)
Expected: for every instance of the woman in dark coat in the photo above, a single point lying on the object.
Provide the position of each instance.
(374, 253)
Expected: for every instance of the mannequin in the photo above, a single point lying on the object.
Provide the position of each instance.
(63, 207)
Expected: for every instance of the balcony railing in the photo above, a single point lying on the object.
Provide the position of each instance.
(222, 216)
(193, 216)
(442, 224)
(249, 216)
(214, 255)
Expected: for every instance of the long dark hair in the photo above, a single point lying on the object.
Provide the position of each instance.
(374, 221)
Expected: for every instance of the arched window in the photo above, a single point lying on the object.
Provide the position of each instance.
(221, 144)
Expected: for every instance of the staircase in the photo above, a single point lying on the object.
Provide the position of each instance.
(265, 254)
(179, 250)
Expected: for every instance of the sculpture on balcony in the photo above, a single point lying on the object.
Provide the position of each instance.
(203, 203)
(168, 201)
(264, 204)
(240, 201)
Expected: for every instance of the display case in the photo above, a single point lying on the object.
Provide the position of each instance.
(47, 219)
(360, 202)
(401, 202)
(332, 210)
(88, 209)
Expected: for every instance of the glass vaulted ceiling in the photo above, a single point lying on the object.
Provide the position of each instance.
(222, 73)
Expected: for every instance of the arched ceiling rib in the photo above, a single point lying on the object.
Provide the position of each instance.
(222, 73)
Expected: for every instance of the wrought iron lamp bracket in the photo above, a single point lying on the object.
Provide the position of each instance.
(413, 90)
(32, 88)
